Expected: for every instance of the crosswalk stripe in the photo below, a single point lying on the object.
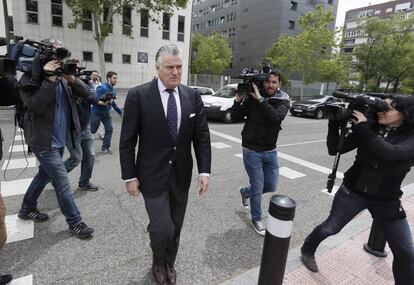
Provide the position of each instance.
(334, 190)
(19, 163)
(18, 229)
(239, 155)
(220, 145)
(17, 148)
(15, 187)
(26, 280)
(290, 173)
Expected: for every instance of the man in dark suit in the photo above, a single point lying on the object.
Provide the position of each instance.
(167, 117)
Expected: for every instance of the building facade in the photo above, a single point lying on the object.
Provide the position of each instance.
(252, 26)
(352, 37)
(133, 59)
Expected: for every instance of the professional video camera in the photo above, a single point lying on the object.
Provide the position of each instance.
(106, 97)
(366, 104)
(84, 75)
(7, 65)
(250, 75)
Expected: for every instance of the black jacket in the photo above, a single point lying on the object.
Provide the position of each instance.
(383, 159)
(40, 106)
(8, 97)
(264, 120)
(144, 122)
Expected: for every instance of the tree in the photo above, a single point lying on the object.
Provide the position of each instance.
(300, 54)
(333, 70)
(387, 56)
(210, 54)
(103, 12)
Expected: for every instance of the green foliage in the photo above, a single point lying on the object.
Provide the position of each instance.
(210, 54)
(388, 56)
(302, 53)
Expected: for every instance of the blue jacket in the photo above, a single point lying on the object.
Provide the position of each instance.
(99, 109)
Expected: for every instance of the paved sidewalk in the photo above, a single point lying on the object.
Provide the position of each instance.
(341, 258)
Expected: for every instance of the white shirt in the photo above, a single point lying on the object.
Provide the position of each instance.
(164, 99)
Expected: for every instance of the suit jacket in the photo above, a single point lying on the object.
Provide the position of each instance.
(144, 121)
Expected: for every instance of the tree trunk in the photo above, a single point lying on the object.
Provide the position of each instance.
(397, 82)
(102, 71)
(388, 85)
(327, 87)
(302, 87)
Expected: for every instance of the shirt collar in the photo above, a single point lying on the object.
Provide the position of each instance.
(161, 86)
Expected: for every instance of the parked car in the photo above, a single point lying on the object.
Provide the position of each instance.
(314, 107)
(203, 90)
(218, 105)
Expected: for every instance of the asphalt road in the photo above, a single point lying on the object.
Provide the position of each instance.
(217, 241)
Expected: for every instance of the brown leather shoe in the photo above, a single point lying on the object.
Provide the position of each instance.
(171, 275)
(159, 271)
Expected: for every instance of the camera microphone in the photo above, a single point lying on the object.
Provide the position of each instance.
(3, 41)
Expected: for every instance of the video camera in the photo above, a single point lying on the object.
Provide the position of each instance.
(106, 97)
(250, 75)
(365, 103)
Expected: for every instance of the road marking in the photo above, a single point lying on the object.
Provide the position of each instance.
(300, 143)
(239, 155)
(19, 138)
(334, 190)
(309, 164)
(220, 145)
(18, 229)
(17, 148)
(19, 163)
(290, 173)
(286, 156)
(26, 280)
(15, 187)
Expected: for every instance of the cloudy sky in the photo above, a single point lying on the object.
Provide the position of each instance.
(345, 5)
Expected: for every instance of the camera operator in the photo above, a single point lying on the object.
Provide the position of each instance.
(265, 113)
(8, 97)
(385, 154)
(101, 112)
(51, 117)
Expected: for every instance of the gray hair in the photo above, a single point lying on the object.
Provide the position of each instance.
(167, 49)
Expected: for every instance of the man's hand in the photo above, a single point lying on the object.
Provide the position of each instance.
(132, 188)
(238, 97)
(103, 103)
(51, 67)
(202, 185)
(256, 94)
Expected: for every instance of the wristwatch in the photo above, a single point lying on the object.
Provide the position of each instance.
(261, 99)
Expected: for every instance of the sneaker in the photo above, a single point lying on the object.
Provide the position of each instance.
(106, 150)
(81, 230)
(5, 279)
(33, 214)
(100, 137)
(309, 261)
(88, 187)
(244, 200)
(259, 227)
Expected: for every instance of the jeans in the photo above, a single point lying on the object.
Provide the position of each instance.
(263, 171)
(346, 205)
(52, 168)
(106, 119)
(84, 152)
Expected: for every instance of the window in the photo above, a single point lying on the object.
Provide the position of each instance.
(330, 2)
(389, 10)
(126, 58)
(165, 26)
(181, 25)
(377, 12)
(87, 56)
(293, 5)
(105, 16)
(126, 20)
(87, 20)
(57, 13)
(292, 25)
(144, 23)
(32, 11)
(108, 57)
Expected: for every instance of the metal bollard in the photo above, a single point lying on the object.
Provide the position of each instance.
(376, 241)
(277, 239)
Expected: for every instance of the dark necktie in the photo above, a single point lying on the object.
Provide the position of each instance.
(172, 116)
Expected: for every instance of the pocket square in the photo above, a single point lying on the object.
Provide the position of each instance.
(192, 115)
